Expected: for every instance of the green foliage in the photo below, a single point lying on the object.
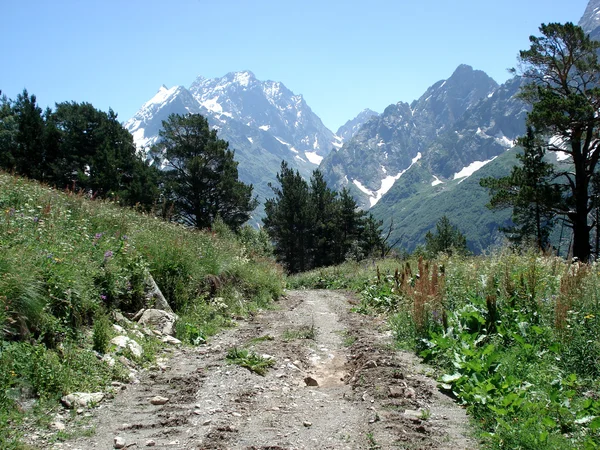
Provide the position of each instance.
(201, 180)
(447, 239)
(313, 226)
(303, 332)
(564, 73)
(77, 147)
(529, 191)
(65, 261)
(250, 360)
(101, 333)
(515, 337)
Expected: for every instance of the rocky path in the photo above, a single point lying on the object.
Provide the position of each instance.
(367, 396)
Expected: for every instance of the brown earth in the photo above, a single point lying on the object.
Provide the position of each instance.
(369, 395)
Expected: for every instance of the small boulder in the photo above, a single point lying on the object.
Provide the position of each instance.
(171, 340)
(119, 442)
(158, 320)
(77, 399)
(123, 342)
(158, 400)
(310, 381)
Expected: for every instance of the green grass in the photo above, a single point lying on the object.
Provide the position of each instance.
(66, 262)
(250, 360)
(515, 338)
(302, 332)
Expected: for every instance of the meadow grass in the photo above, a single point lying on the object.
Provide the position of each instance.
(514, 337)
(67, 261)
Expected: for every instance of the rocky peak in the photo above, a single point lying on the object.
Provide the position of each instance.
(590, 20)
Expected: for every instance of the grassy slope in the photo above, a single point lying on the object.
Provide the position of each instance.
(416, 206)
(66, 261)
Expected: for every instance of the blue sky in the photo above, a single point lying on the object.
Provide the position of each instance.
(343, 56)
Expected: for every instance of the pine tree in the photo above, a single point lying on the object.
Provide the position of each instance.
(529, 191)
(323, 204)
(447, 239)
(564, 72)
(202, 178)
(29, 157)
(289, 220)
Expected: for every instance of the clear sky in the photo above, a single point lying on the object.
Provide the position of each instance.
(343, 56)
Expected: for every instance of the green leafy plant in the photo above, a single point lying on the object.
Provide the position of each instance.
(250, 360)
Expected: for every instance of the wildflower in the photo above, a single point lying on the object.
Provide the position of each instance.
(108, 254)
(103, 297)
(125, 237)
(589, 316)
(36, 219)
(98, 236)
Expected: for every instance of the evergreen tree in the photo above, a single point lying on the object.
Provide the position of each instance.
(564, 71)
(312, 226)
(289, 220)
(202, 178)
(29, 157)
(323, 204)
(8, 134)
(447, 239)
(529, 191)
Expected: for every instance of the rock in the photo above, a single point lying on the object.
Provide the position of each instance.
(310, 381)
(58, 425)
(369, 364)
(137, 334)
(118, 385)
(150, 443)
(109, 360)
(396, 392)
(119, 329)
(410, 393)
(171, 340)
(155, 296)
(81, 399)
(119, 442)
(307, 424)
(123, 342)
(138, 315)
(158, 400)
(207, 422)
(120, 318)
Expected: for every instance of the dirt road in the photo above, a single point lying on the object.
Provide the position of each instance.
(368, 395)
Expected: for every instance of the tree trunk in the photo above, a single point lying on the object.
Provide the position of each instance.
(581, 230)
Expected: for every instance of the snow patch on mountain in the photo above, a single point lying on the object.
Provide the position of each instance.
(313, 157)
(436, 181)
(469, 170)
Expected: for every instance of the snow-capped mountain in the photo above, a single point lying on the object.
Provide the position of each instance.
(590, 21)
(263, 121)
(269, 106)
(386, 146)
(239, 97)
(351, 127)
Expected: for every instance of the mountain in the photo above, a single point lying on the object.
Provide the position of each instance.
(590, 21)
(445, 181)
(387, 145)
(263, 121)
(351, 127)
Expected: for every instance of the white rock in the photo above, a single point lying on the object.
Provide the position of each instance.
(171, 340)
(125, 342)
(58, 425)
(109, 360)
(119, 329)
(82, 399)
(158, 400)
(150, 443)
(158, 320)
(119, 442)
